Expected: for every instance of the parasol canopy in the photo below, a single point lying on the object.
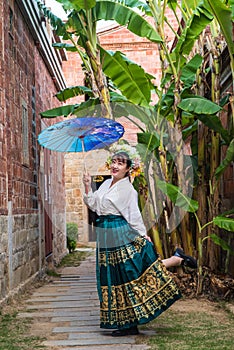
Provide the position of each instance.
(81, 134)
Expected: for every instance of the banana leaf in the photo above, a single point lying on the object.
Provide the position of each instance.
(189, 130)
(151, 140)
(131, 111)
(188, 72)
(200, 18)
(73, 91)
(177, 197)
(221, 242)
(224, 223)
(59, 111)
(67, 47)
(129, 77)
(77, 4)
(124, 15)
(227, 160)
(223, 15)
(213, 122)
(199, 105)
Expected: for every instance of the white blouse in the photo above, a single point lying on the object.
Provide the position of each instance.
(118, 199)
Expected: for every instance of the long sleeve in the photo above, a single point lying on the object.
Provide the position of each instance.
(97, 201)
(127, 204)
(119, 199)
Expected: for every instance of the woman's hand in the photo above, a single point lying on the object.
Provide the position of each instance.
(86, 179)
(87, 182)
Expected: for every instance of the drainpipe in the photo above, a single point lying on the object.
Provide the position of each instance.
(10, 245)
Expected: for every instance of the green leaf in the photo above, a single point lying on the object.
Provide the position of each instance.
(59, 111)
(223, 244)
(115, 97)
(189, 130)
(227, 160)
(177, 197)
(90, 108)
(77, 4)
(128, 76)
(200, 18)
(188, 72)
(224, 223)
(152, 141)
(223, 15)
(66, 4)
(231, 3)
(73, 91)
(213, 122)
(199, 105)
(124, 15)
(84, 4)
(167, 101)
(67, 47)
(74, 24)
(130, 110)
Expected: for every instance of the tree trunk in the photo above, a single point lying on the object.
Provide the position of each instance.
(100, 81)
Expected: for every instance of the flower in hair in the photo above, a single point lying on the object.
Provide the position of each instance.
(137, 165)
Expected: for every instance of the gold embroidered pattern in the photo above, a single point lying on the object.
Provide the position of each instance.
(139, 299)
(121, 254)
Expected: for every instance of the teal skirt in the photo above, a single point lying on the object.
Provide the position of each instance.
(134, 286)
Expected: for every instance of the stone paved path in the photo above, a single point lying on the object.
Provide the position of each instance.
(66, 313)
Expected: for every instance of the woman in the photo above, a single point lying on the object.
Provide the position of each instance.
(133, 284)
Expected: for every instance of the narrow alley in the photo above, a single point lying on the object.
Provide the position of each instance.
(66, 313)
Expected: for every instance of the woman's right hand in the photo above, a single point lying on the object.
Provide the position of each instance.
(87, 180)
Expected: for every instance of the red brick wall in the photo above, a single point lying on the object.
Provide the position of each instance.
(22, 70)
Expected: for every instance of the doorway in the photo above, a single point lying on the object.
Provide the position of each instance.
(96, 182)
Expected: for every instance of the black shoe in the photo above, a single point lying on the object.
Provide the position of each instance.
(188, 260)
(124, 332)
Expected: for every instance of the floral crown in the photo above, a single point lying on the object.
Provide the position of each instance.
(136, 166)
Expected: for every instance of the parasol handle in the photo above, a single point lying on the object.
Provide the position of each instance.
(83, 151)
(85, 169)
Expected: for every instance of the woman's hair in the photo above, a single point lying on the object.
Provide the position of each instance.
(123, 157)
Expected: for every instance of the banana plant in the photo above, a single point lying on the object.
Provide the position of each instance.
(81, 31)
(180, 106)
(223, 221)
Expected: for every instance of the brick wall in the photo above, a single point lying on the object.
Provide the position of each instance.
(26, 89)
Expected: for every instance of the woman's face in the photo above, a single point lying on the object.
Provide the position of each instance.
(118, 168)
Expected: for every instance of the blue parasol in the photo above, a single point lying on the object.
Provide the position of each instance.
(81, 134)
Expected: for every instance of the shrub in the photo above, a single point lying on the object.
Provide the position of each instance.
(72, 236)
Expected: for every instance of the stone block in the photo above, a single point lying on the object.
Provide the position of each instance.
(3, 224)
(18, 223)
(3, 288)
(32, 220)
(18, 260)
(20, 239)
(32, 234)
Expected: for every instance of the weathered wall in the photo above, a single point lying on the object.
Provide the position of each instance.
(26, 88)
